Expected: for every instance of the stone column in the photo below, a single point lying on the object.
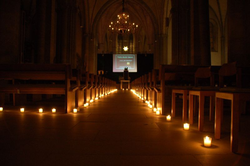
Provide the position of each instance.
(199, 30)
(42, 32)
(62, 29)
(180, 37)
(238, 31)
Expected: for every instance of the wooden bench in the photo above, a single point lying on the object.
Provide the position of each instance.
(39, 79)
(89, 89)
(175, 79)
(83, 85)
(206, 84)
(232, 79)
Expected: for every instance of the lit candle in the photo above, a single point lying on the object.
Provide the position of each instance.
(155, 109)
(1, 109)
(75, 110)
(21, 109)
(168, 118)
(53, 110)
(91, 100)
(186, 126)
(40, 110)
(157, 112)
(86, 105)
(207, 141)
(96, 98)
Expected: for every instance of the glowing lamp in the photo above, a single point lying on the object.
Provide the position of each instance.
(1, 109)
(207, 141)
(53, 110)
(155, 109)
(40, 110)
(125, 48)
(186, 126)
(157, 112)
(168, 118)
(75, 110)
(21, 109)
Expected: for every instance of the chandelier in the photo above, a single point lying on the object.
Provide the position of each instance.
(122, 24)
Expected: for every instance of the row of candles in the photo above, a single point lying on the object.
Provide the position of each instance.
(207, 141)
(75, 110)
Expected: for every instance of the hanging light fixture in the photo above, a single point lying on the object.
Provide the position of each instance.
(122, 24)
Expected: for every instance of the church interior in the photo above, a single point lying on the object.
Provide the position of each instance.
(125, 82)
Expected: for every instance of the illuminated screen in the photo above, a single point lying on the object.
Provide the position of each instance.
(121, 61)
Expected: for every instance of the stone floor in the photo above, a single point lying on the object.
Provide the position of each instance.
(118, 130)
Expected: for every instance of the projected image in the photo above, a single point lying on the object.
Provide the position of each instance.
(121, 61)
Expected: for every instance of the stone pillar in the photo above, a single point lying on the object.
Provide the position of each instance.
(42, 31)
(238, 31)
(66, 39)
(53, 31)
(62, 29)
(199, 30)
(181, 30)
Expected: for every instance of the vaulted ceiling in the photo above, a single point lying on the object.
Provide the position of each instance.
(147, 13)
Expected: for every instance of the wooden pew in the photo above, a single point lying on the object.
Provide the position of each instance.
(157, 102)
(175, 79)
(83, 84)
(206, 84)
(39, 79)
(89, 87)
(232, 80)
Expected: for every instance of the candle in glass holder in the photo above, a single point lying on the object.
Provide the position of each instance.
(53, 110)
(155, 109)
(157, 112)
(21, 109)
(75, 110)
(40, 110)
(168, 118)
(186, 126)
(1, 109)
(207, 141)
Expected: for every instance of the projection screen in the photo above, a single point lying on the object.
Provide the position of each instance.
(121, 61)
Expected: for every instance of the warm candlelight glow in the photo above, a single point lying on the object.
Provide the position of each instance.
(91, 101)
(186, 126)
(96, 98)
(1, 109)
(21, 109)
(86, 105)
(207, 141)
(40, 110)
(75, 110)
(157, 112)
(155, 109)
(53, 110)
(149, 105)
(168, 118)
